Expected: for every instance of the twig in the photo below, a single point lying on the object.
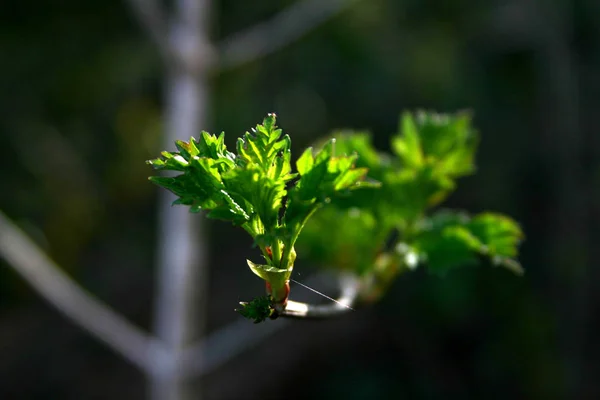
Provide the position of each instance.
(284, 28)
(349, 285)
(70, 299)
(225, 344)
(131, 342)
(230, 341)
(182, 281)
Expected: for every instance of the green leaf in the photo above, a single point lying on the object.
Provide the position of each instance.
(449, 239)
(450, 247)
(498, 233)
(259, 309)
(327, 174)
(349, 178)
(246, 189)
(407, 194)
(448, 141)
(309, 186)
(305, 162)
(263, 145)
(432, 151)
(346, 239)
(359, 143)
(226, 215)
(277, 277)
(322, 177)
(256, 189)
(408, 145)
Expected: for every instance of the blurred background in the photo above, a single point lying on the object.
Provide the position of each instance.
(81, 98)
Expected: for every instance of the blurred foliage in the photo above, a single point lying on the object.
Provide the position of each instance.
(431, 150)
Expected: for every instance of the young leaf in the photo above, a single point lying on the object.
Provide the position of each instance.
(447, 141)
(347, 239)
(268, 272)
(498, 233)
(249, 188)
(245, 188)
(452, 246)
(408, 145)
(305, 162)
(255, 188)
(451, 239)
(258, 309)
(322, 177)
(432, 150)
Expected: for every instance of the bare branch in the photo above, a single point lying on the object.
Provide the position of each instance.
(349, 296)
(153, 20)
(224, 345)
(182, 273)
(71, 299)
(230, 341)
(284, 28)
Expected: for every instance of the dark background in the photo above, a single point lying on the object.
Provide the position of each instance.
(81, 108)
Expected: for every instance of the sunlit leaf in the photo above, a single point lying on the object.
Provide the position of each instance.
(453, 238)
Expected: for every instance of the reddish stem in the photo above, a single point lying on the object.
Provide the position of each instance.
(282, 297)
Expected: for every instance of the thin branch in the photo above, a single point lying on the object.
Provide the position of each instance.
(224, 345)
(228, 342)
(70, 299)
(153, 20)
(348, 299)
(182, 273)
(284, 28)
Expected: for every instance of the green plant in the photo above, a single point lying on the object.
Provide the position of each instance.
(373, 233)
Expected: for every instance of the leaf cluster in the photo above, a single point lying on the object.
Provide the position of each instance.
(246, 188)
(388, 226)
(258, 310)
(430, 152)
(449, 239)
(256, 189)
